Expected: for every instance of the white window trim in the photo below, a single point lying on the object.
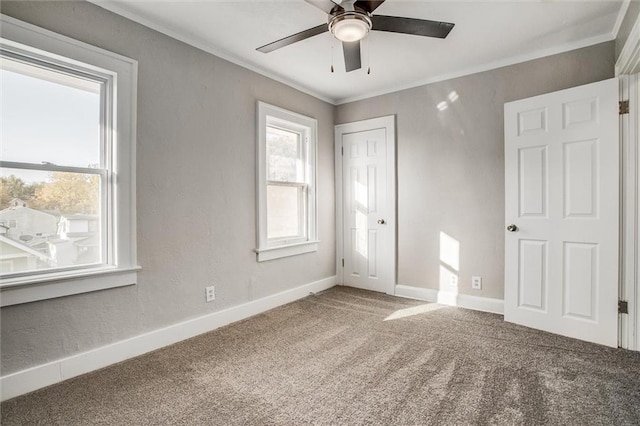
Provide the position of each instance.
(122, 268)
(264, 250)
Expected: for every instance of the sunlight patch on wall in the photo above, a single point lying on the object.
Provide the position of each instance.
(449, 263)
(451, 98)
(450, 251)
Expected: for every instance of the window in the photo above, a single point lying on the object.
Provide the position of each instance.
(67, 180)
(54, 160)
(286, 183)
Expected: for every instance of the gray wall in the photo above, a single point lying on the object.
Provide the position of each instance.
(450, 163)
(196, 193)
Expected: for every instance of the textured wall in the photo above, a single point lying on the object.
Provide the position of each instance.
(450, 163)
(196, 193)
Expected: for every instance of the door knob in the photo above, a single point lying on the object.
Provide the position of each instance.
(512, 228)
(381, 221)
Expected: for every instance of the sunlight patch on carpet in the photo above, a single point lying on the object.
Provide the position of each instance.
(414, 310)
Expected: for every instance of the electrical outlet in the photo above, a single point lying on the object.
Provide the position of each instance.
(454, 280)
(210, 293)
(476, 283)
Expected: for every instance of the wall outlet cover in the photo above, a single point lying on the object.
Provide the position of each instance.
(210, 293)
(476, 283)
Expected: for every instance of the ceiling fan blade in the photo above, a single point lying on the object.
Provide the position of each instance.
(327, 6)
(421, 27)
(369, 5)
(351, 51)
(302, 35)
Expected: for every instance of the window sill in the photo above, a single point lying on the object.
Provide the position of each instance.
(286, 251)
(15, 291)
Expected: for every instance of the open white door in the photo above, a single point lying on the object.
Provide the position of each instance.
(366, 204)
(562, 212)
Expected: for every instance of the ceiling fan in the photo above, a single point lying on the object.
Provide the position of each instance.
(351, 21)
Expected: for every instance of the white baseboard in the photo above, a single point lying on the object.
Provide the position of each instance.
(485, 304)
(34, 378)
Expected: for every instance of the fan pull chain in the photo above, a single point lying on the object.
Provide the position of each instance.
(368, 43)
(332, 56)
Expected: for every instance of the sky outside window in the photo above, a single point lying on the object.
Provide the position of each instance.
(44, 120)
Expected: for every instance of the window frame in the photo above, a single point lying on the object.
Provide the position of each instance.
(119, 262)
(307, 127)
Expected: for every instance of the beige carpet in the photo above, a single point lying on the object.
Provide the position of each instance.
(350, 357)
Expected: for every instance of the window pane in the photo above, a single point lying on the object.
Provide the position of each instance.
(48, 220)
(285, 211)
(284, 156)
(48, 116)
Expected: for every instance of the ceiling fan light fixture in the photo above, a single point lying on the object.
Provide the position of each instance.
(350, 26)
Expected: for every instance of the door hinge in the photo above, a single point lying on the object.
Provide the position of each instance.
(341, 150)
(623, 307)
(343, 263)
(623, 107)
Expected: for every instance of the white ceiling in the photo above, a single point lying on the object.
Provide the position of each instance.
(487, 34)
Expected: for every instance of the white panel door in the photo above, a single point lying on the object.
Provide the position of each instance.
(562, 209)
(368, 208)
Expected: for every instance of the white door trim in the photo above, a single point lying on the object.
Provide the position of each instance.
(630, 219)
(627, 68)
(389, 123)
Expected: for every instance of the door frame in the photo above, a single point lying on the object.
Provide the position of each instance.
(627, 68)
(629, 285)
(389, 124)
